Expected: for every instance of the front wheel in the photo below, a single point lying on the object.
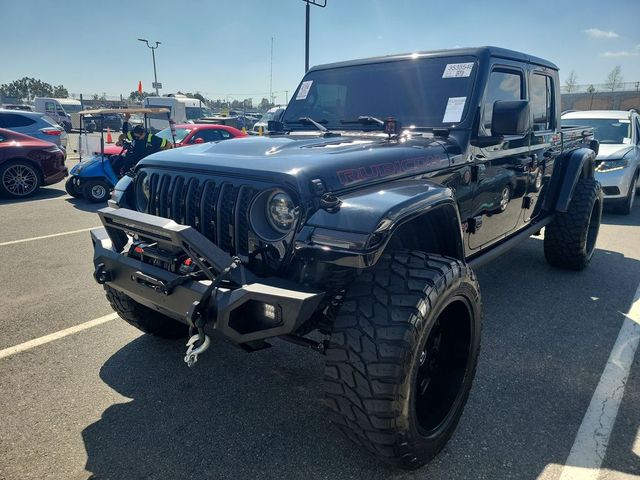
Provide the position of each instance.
(72, 189)
(570, 239)
(96, 191)
(403, 354)
(625, 206)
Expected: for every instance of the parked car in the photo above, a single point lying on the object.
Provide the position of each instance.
(271, 114)
(112, 121)
(618, 160)
(193, 133)
(27, 163)
(34, 124)
(360, 217)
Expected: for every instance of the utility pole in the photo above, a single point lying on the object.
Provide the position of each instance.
(286, 97)
(153, 55)
(271, 74)
(317, 3)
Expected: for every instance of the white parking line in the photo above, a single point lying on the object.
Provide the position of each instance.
(590, 445)
(7, 352)
(13, 242)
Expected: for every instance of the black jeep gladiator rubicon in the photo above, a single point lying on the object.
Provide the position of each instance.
(360, 217)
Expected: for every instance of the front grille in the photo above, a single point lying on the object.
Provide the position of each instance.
(217, 209)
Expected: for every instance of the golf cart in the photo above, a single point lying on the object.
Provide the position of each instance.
(94, 178)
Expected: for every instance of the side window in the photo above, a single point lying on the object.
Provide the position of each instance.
(49, 107)
(502, 85)
(12, 120)
(638, 130)
(225, 134)
(209, 135)
(541, 104)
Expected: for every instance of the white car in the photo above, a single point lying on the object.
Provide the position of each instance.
(618, 160)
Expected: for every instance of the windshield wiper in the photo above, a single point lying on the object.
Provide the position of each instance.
(364, 120)
(311, 121)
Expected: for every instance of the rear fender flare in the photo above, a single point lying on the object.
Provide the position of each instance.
(569, 168)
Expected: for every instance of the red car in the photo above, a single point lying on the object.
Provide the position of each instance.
(27, 163)
(194, 133)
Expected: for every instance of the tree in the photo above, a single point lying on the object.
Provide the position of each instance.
(591, 89)
(264, 104)
(60, 92)
(614, 79)
(27, 88)
(571, 83)
(137, 97)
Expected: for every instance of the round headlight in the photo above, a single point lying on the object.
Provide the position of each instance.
(280, 211)
(142, 192)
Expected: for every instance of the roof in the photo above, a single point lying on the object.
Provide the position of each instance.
(26, 113)
(101, 111)
(212, 126)
(598, 114)
(476, 52)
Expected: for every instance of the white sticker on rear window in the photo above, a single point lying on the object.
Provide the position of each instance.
(457, 70)
(304, 90)
(455, 107)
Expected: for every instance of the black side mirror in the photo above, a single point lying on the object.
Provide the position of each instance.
(275, 126)
(510, 117)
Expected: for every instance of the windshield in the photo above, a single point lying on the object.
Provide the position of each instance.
(71, 108)
(193, 113)
(271, 115)
(425, 92)
(180, 134)
(606, 130)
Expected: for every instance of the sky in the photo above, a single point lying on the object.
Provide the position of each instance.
(222, 48)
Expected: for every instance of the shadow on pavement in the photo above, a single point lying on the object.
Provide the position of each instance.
(609, 217)
(547, 336)
(85, 205)
(43, 193)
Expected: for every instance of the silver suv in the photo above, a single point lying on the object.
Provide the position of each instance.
(618, 161)
(34, 124)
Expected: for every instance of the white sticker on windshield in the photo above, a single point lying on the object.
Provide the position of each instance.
(456, 70)
(455, 107)
(304, 90)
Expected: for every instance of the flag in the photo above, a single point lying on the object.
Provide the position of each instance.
(140, 87)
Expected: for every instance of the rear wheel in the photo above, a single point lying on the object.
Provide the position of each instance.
(96, 191)
(144, 318)
(403, 354)
(570, 240)
(19, 179)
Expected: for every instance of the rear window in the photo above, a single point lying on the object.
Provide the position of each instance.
(14, 120)
(50, 120)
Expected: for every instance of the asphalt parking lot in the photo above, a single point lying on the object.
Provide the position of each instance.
(109, 403)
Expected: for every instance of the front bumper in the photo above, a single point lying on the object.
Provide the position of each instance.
(615, 185)
(236, 310)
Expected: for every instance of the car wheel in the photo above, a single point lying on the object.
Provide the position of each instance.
(626, 205)
(537, 181)
(19, 179)
(96, 191)
(570, 239)
(402, 355)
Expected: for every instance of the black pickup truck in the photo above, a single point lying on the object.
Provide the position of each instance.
(360, 217)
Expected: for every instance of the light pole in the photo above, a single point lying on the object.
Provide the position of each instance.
(317, 3)
(153, 55)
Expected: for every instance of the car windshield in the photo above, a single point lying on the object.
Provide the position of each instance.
(422, 92)
(271, 115)
(606, 130)
(193, 113)
(180, 134)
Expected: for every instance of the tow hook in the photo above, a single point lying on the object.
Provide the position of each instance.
(192, 351)
(101, 274)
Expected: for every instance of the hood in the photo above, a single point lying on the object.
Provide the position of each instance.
(613, 151)
(340, 162)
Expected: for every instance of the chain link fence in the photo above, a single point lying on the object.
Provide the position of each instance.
(601, 87)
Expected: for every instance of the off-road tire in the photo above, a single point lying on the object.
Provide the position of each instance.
(144, 318)
(376, 348)
(72, 189)
(570, 239)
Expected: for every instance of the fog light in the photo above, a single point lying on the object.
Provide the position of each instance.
(269, 311)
